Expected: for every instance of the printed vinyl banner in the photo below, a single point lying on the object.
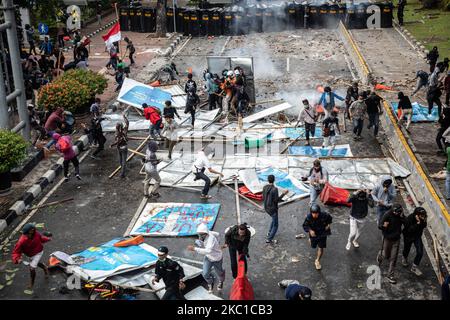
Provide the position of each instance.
(284, 181)
(420, 113)
(135, 93)
(175, 219)
(319, 152)
(100, 262)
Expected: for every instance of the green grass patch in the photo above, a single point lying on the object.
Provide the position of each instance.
(429, 26)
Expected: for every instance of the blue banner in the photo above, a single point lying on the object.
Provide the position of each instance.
(294, 133)
(135, 94)
(283, 181)
(319, 152)
(420, 112)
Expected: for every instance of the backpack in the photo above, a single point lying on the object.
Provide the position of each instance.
(152, 114)
(64, 145)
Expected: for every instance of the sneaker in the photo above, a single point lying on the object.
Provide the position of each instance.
(78, 177)
(391, 279)
(318, 266)
(355, 244)
(300, 236)
(405, 262)
(66, 179)
(268, 241)
(210, 288)
(348, 246)
(415, 269)
(220, 285)
(205, 196)
(28, 291)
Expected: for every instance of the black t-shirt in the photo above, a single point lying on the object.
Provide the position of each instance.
(404, 103)
(372, 103)
(332, 124)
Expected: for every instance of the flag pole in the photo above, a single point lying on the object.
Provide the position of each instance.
(118, 21)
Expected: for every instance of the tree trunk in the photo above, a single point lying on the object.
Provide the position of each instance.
(161, 28)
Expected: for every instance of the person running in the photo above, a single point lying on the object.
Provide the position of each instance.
(294, 290)
(151, 171)
(352, 96)
(434, 91)
(391, 227)
(121, 141)
(327, 100)
(422, 81)
(171, 273)
(414, 225)
(199, 166)
(113, 56)
(432, 58)
(208, 245)
(154, 115)
(65, 147)
(318, 177)
(358, 213)
(170, 111)
(308, 116)
(95, 134)
(374, 110)
(190, 84)
(404, 104)
(131, 49)
(329, 127)
(383, 194)
(211, 89)
(30, 244)
(271, 200)
(318, 225)
(192, 101)
(237, 240)
(357, 112)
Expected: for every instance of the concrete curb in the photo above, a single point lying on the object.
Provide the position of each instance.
(171, 48)
(418, 46)
(90, 35)
(20, 206)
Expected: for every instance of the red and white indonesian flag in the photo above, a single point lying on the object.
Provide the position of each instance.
(113, 35)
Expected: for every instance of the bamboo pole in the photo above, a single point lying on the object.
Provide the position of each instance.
(136, 152)
(131, 156)
(238, 207)
(50, 204)
(240, 195)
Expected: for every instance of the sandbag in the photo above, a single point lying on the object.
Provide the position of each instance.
(334, 195)
(241, 289)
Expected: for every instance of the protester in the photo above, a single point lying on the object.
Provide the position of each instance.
(113, 56)
(211, 89)
(190, 84)
(169, 110)
(95, 134)
(317, 224)
(65, 147)
(414, 225)
(169, 132)
(404, 104)
(400, 9)
(154, 115)
(358, 213)
(318, 177)
(237, 239)
(444, 125)
(434, 91)
(374, 110)
(383, 194)
(192, 101)
(46, 46)
(121, 141)
(131, 49)
(82, 53)
(329, 127)
(30, 244)
(95, 108)
(55, 121)
(294, 290)
(271, 200)
(227, 88)
(308, 116)
(199, 166)
(327, 100)
(391, 227)
(171, 273)
(151, 171)
(30, 38)
(357, 112)
(422, 81)
(432, 58)
(208, 245)
(98, 11)
(120, 78)
(352, 96)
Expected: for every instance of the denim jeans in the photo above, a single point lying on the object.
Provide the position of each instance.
(374, 119)
(155, 128)
(418, 244)
(447, 185)
(208, 266)
(358, 126)
(314, 194)
(310, 129)
(273, 226)
(381, 210)
(123, 153)
(202, 176)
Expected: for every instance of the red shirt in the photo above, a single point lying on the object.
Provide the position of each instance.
(29, 247)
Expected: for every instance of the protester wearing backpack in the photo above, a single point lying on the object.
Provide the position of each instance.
(64, 145)
(154, 115)
(358, 213)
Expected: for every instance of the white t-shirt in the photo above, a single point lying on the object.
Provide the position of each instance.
(201, 162)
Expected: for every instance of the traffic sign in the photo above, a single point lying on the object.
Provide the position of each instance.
(43, 28)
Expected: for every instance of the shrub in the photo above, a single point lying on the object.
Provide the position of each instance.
(12, 150)
(96, 82)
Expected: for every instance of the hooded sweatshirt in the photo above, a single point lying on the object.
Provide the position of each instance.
(318, 225)
(379, 194)
(211, 86)
(412, 230)
(211, 247)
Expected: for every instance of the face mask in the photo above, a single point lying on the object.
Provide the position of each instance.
(202, 237)
(306, 105)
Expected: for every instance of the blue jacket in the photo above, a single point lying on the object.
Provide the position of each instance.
(47, 48)
(332, 95)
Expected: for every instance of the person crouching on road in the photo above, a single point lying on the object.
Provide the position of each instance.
(415, 223)
(318, 224)
(391, 227)
(294, 290)
(65, 147)
(199, 166)
(30, 244)
(358, 213)
(271, 200)
(237, 240)
(151, 171)
(171, 273)
(208, 245)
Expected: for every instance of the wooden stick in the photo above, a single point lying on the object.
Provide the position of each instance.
(129, 157)
(50, 204)
(240, 195)
(265, 101)
(238, 207)
(136, 152)
(182, 188)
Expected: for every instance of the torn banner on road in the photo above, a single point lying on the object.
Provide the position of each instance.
(284, 181)
(175, 219)
(135, 93)
(319, 152)
(420, 112)
(100, 262)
